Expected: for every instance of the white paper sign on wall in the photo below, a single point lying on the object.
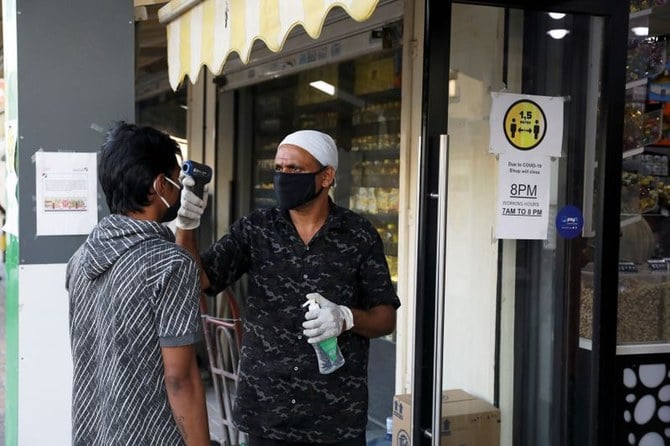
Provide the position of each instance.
(66, 192)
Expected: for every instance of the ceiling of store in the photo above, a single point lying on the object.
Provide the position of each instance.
(151, 40)
(151, 49)
(659, 22)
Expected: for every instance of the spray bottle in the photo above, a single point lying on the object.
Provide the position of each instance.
(328, 353)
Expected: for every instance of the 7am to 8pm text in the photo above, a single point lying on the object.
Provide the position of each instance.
(521, 212)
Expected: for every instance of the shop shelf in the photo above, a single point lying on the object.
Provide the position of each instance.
(391, 126)
(378, 154)
(263, 189)
(333, 105)
(263, 174)
(264, 203)
(633, 152)
(654, 16)
(639, 14)
(629, 219)
(381, 96)
(386, 181)
(636, 83)
(379, 218)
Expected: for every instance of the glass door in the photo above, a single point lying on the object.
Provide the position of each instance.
(506, 219)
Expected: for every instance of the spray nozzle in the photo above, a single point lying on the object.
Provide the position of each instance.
(311, 302)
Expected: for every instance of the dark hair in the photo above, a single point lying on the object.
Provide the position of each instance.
(130, 159)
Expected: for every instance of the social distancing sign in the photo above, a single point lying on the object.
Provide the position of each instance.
(525, 123)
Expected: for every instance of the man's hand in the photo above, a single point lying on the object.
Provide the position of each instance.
(192, 207)
(327, 321)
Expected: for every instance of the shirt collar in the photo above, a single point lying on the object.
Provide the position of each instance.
(335, 217)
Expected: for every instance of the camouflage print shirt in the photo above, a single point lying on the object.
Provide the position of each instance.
(281, 394)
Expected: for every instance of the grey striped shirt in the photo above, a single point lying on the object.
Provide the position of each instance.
(132, 291)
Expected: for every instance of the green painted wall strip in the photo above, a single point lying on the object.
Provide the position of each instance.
(12, 342)
(10, 46)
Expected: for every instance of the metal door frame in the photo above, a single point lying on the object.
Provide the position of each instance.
(435, 100)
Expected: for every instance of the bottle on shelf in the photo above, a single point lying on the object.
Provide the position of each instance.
(372, 201)
(392, 262)
(392, 230)
(393, 200)
(382, 200)
(356, 117)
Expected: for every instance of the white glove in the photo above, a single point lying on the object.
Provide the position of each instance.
(327, 321)
(192, 207)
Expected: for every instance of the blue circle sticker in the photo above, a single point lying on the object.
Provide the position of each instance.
(569, 222)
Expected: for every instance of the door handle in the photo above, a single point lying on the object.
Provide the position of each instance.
(440, 293)
(591, 126)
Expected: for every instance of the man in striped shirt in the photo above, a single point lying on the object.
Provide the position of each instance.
(134, 313)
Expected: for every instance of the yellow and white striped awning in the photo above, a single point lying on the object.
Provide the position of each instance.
(205, 32)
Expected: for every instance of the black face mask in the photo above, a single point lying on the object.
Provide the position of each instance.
(171, 213)
(295, 189)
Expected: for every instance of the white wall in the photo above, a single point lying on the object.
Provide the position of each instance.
(410, 149)
(471, 267)
(45, 360)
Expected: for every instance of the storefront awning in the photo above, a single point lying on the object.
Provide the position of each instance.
(205, 32)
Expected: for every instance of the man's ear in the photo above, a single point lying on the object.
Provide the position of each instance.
(328, 177)
(159, 184)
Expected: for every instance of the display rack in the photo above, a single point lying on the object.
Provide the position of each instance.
(645, 184)
(644, 191)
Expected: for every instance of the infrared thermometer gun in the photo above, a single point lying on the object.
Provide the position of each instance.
(201, 173)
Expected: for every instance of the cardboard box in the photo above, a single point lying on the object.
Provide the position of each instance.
(466, 420)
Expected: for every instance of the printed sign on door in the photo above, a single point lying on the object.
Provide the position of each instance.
(524, 123)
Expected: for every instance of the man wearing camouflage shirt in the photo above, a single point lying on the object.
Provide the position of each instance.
(305, 245)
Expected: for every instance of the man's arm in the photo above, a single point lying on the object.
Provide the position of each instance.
(188, 219)
(186, 394)
(375, 322)
(381, 299)
(329, 319)
(187, 240)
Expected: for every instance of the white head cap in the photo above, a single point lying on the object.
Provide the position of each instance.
(318, 144)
